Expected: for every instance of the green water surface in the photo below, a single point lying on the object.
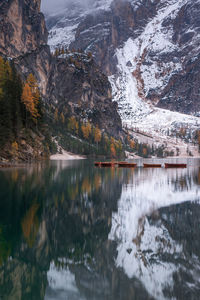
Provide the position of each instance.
(69, 230)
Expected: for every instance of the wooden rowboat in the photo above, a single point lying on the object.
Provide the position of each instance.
(152, 165)
(175, 165)
(107, 164)
(97, 164)
(104, 164)
(126, 165)
(121, 163)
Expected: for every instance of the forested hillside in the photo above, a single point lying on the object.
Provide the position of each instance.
(27, 127)
(23, 133)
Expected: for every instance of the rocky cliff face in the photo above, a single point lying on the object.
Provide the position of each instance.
(153, 43)
(23, 38)
(114, 28)
(84, 91)
(183, 87)
(22, 27)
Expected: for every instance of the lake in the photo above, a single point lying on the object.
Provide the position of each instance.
(69, 230)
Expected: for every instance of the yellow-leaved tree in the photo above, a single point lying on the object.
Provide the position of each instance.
(86, 130)
(144, 151)
(56, 115)
(132, 144)
(73, 125)
(97, 135)
(31, 96)
(113, 150)
(62, 117)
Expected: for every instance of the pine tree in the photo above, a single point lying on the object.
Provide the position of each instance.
(17, 101)
(17, 108)
(5, 102)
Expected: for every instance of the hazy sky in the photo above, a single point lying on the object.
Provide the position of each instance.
(51, 6)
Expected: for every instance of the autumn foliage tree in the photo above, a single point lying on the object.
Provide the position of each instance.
(73, 125)
(62, 117)
(31, 97)
(112, 150)
(144, 151)
(20, 108)
(132, 144)
(86, 130)
(97, 135)
(56, 115)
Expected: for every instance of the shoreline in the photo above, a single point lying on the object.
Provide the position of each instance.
(67, 156)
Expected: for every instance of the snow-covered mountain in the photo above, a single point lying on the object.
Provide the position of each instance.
(64, 23)
(150, 49)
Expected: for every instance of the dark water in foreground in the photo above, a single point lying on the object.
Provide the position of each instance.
(71, 231)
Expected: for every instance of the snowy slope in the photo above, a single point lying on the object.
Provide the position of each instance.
(136, 111)
(141, 70)
(64, 23)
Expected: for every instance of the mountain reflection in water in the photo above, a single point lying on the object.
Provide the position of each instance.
(69, 230)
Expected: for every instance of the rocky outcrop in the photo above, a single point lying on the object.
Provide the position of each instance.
(23, 38)
(22, 27)
(84, 91)
(182, 91)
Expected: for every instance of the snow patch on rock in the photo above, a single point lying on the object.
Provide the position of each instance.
(63, 284)
(66, 22)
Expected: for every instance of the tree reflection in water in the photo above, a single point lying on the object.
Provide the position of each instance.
(72, 231)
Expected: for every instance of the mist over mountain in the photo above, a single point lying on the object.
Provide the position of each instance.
(52, 6)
